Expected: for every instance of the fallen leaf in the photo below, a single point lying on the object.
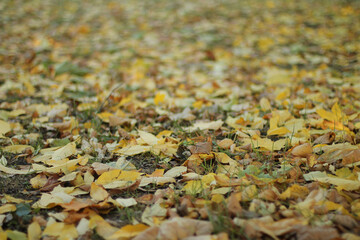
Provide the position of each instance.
(17, 148)
(34, 231)
(4, 128)
(126, 202)
(302, 150)
(129, 231)
(98, 193)
(177, 228)
(215, 125)
(64, 152)
(7, 208)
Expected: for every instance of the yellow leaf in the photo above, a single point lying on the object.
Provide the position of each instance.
(265, 104)
(175, 171)
(34, 231)
(104, 116)
(164, 133)
(341, 183)
(278, 131)
(65, 151)
(193, 187)
(17, 148)
(159, 98)
(7, 208)
(103, 228)
(38, 181)
(4, 128)
(61, 230)
(65, 166)
(117, 184)
(249, 193)
(331, 206)
(326, 115)
(266, 143)
(3, 235)
(157, 173)
(156, 180)
(11, 199)
(14, 171)
(222, 190)
(148, 138)
(273, 122)
(108, 177)
(284, 94)
(98, 193)
(86, 106)
(128, 175)
(338, 113)
(335, 125)
(133, 150)
(224, 158)
(198, 104)
(129, 231)
(126, 202)
(295, 191)
(225, 143)
(214, 125)
(217, 198)
(208, 179)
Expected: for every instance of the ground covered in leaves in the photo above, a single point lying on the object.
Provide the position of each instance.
(179, 119)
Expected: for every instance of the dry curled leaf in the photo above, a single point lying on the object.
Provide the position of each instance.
(302, 150)
(201, 147)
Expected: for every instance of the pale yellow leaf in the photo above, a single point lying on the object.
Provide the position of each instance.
(175, 171)
(34, 231)
(148, 138)
(126, 202)
(98, 193)
(15, 171)
(265, 104)
(215, 125)
(7, 208)
(156, 180)
(134, 150)
(346, 184)
(128, 231)
(61, 230)
(17, 148)
(4, 128)
(103, 228)
(65, 151)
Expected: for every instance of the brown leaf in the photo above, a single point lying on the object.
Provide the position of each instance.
(118, 121)
(51, 183)
(345, 221)
(202, 147)
(176, 228)
(315, 233)
(101, 167)
(327, 138)
(149, 234)
(76, 204)
(269, 195)
(351, 157)
(302, 150)
(225, 143)
(233, 204)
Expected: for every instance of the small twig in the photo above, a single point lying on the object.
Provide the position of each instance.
(107, 98)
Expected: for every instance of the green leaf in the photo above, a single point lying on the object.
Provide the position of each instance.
(23, 209)
(67, 67)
